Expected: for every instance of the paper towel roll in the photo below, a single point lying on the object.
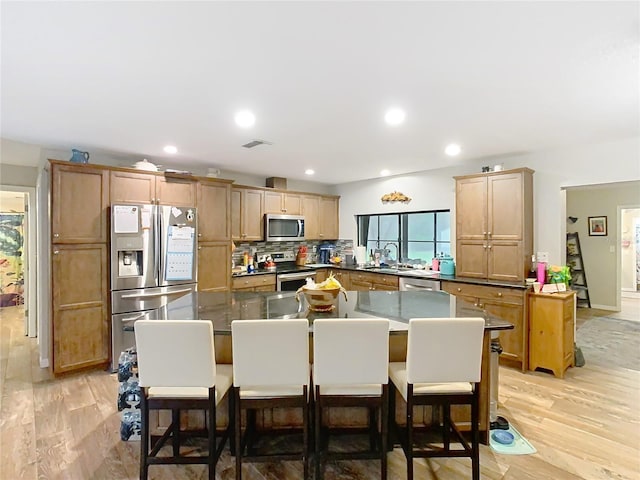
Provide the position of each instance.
(361, 255)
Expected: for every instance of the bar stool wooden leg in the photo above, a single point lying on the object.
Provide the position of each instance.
(384, 430)
(144, 411)
(238, 433)
(175, 428)
(408, 451)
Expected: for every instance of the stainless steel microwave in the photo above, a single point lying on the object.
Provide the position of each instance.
(283, 228)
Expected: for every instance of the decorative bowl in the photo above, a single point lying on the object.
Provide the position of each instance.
(322, 300)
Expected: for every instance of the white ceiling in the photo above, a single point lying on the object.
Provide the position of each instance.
(498, 78)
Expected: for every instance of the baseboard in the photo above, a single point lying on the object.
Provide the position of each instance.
(630, 294)
(605, 307)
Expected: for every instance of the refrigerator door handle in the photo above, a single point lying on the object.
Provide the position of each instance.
(133, 319)
(159, 242)
(159, 294)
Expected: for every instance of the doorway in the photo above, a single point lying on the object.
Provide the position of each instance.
(18, 253)
(630, 251)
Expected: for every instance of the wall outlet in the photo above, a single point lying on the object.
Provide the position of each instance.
(612, 249)
(542, 257)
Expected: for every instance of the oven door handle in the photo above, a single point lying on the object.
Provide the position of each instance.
(410, 286)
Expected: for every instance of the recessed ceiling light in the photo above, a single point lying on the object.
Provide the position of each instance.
(170, 149)
(245, 118)
(308, 171)
(394, 116)
(384, 173)
(452, 150)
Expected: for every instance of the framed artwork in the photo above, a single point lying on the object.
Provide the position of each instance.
(598, 226)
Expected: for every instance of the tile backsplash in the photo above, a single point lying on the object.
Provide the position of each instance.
(265, 248)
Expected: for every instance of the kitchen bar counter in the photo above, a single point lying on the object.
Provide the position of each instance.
(398, 307)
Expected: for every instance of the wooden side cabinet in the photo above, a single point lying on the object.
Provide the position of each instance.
(551, 331)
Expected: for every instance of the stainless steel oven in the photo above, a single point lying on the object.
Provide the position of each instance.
(290, 282)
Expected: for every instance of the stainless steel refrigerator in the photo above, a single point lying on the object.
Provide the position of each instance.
(153, 261)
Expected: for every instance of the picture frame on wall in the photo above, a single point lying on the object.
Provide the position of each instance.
(598, 226)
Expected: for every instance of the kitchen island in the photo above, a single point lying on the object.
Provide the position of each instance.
(222, 308)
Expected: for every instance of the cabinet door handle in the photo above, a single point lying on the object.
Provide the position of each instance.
(56, 235)
(475, 304)
(459, 289)
(480, 305)
(56, 252)
(499, 294)
(489, 233)
(199, 248)
(484, 246)
(489, 247)
(199, 235)
(484, 233)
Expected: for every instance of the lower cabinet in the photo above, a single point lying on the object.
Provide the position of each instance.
(214, 266)
(364, 281)
(551, 331)
(255, 283)
(80, 319)
(505, 303)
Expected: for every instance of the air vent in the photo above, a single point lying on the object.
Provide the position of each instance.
(255, 143)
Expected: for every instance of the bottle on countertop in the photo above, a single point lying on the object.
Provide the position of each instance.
(532, 270)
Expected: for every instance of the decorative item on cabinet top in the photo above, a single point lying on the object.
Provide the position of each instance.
(79, 157)
(394, 197)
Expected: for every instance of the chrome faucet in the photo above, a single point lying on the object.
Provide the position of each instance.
(397, 253)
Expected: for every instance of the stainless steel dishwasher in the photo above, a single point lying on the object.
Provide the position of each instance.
(416, 284)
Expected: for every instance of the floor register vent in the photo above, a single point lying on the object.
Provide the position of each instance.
(255, 143)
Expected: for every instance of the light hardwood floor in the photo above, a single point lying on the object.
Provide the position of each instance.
(586, 426)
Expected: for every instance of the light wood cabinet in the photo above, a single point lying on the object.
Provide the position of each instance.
(255, 283)
(551, 331)
(80, 321)
(342, 276)
(505, 303)
(364, 281)
(79, 202)
(214, 266)
(246, 214)
(321, 217)
(282, 202)
(494, 225)
(79, 269)
(214, 202)
(151, 187)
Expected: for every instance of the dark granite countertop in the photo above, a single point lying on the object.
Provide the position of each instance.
(398, 307)
(390, 271)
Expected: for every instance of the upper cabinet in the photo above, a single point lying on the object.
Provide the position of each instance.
(246, 214)
(133, 187)
(282, 202)
(214, 201)
(321, 217)
(494, 225)
(79, 197)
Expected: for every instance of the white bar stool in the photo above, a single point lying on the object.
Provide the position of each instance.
(350, 369)
(177, 370)
(271, 369)
(444, 356)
